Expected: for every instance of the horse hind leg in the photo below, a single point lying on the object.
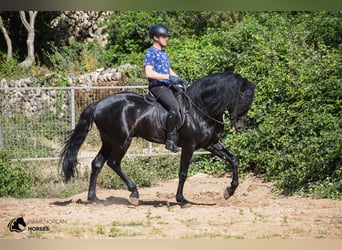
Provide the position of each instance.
(114, 162)
(96, 167)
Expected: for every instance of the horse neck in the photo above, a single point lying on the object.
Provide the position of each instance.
(222, 98)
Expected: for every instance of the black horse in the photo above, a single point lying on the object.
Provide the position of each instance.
(121, 116)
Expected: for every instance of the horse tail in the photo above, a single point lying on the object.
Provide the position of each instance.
(75, 140)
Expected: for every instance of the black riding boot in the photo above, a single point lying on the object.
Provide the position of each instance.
(171, 133)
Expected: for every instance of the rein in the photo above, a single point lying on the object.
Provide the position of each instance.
(199, 109)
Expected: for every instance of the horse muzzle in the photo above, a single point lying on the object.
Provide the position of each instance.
(238, 126)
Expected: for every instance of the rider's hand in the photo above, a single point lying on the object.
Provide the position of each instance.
(176, 80)
(183, 82)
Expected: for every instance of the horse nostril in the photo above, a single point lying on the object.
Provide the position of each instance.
(239, 129)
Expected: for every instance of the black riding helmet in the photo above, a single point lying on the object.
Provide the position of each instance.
(159, 30)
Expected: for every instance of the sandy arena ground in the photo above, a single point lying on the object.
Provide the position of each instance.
(254, 212)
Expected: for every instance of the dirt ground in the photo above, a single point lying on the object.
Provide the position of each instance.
(253, 212)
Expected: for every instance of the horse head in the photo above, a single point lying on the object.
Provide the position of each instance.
(238, 113)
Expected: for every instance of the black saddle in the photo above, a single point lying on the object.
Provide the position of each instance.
(161, 112)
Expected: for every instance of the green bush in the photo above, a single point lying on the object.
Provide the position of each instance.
(294, 128)
(294, 134)
(10, 69)
(128, 35)
(145, 172)
(14, 180)
(77, 57)
(209, 58)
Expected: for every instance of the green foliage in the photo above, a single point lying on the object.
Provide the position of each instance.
(14, 180)
(328, 188)
(208, 165)
(294, 129)
(294, 134)
(128, 34)
(55, 79)
(145, 172)
(10, 69)
(76, 57)
(294, 126)
(37, 143)
(208, 57)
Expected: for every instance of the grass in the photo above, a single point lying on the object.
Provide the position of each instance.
(284, 220)
(191, 222)
(258, 216)
(36, 235)
(268, 236)
(101, 229)
(321, 234)
(212, 235)
(133, 224)
(46, 180)
(116, 229)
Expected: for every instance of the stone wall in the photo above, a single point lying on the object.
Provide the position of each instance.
(35, 101)
(83, 26)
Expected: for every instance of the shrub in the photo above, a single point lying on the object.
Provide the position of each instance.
(294, 130)
(145, 172)
(10, 69)
(14, 180)
(77, 57)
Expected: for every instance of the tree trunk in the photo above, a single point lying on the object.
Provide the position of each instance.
(7, 39)
(30, 37)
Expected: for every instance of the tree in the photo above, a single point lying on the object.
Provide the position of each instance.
(29, 25)
(7, 39)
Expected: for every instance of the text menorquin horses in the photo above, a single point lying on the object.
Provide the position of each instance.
(121, 116)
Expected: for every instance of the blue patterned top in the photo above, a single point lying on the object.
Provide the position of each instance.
(160, 62)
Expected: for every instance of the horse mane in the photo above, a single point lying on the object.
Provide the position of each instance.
(215, 92)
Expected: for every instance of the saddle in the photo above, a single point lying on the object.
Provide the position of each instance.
(161, 112)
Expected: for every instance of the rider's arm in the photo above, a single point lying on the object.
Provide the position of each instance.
(173, 73)
(150, 73)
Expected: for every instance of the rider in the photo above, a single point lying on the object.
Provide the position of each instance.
(160, 78)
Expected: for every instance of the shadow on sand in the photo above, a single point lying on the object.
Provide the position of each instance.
(111, 200)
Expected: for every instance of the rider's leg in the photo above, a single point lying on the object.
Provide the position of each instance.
(168, 100)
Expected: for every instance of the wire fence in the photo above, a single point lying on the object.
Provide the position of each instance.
(34, 121)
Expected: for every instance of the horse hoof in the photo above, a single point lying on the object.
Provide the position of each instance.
(133, 201)
(226, 194)
(184, 204)
(93, 200)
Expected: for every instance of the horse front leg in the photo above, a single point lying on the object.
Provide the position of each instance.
(182, 175)
(218, 150)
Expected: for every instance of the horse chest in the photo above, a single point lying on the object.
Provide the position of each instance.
(201, 133)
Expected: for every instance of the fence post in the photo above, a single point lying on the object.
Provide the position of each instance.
(72, 104)
(150, 147)
(1, 139)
